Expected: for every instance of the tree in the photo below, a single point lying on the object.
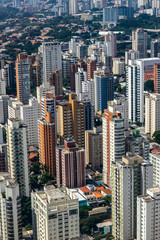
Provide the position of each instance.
(149, 85)
(108, 199)
(83, 211)
(156, 136)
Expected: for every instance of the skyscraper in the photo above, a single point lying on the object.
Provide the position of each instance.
(137, 72)
(148, 210)
(152, 113)
(104, 89)
(139, 42)
(50, 54)
(71, 166)
(157, 78)
(113, 141)
(10, 210)
(56, 81)
(72, 120)
(23, 78)
(30, 114)
(17, 153)
(130, 178)
(60, 218)
(47, 134)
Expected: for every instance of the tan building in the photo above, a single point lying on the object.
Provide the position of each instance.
(72, 120)
(118, 67)
(22, 78)
(152, 113)
(94, 148)
(157, 78)
(139, 42)
(47, 134)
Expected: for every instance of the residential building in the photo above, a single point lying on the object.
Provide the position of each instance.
(130, 178)
(10, 210)
(118, 67)
(3, 158)
(30, 114)
(139, 42)
(14, 109)
(143, 3)
(71, 117)
(94, 148)
(131, 55)
(47, 134)
(104, 89)
(112, 14)
(91, 67)
(60, 218)
(152, 113)
(137, 72)
(23, 78)
(113, 141)
(71, 166)
(154, 158)
(89, 115)
(4, 102)
(148, 222)
(42, 89)
(50, 55)
(155, 48)
(2, 87)
(82, 49)
(73, 7)
(157, 78)
(17, 154)
(111, 44)
(137, 144)
(80, 76)
(56, 81)
(120, 104)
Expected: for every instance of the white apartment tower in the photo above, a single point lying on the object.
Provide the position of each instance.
(14, 109)
(10, 208)
(17, 153)
(42, 89)
(130, 178)
(50, 54)
(154, 158)
(55, 215)
(148, 211)
(135, 86)
(120, 104)
(80, 77)
(113, 141)
(152, 113)
(29, 115)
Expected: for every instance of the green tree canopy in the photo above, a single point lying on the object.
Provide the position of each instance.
(149, 85)
(156, 136)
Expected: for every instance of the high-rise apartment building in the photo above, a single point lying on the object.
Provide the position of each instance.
(139, 42)
(3, 158)
(120, 104)
(23, 78)
(60, 218)
(73, 7)
(30, 114)
(71, 117)
(4, 102)
(152, 113)
(82, 49)
(118, 67)
(104, 89)
(2, 86)
(131, 55)
(137, 72)
(14, 109)
(137, 144)
(157, 78)
(111, 44)
(143, 3)
(71, 166)
(94, 148)
(91, 67)
(10, 209)
(148, 210)
(50, 54)
(155, 48)
(130, 178)
(80, 76)
(113, 141)
(17, 153)
(47, 134)
(89, 115)
(154, 158)
(42, 89)
(56, 81)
